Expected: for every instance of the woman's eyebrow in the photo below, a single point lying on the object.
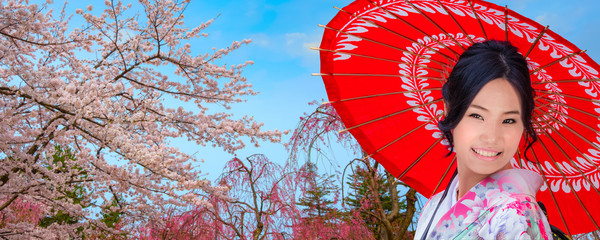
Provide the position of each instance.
(485, 109)
(479, 107)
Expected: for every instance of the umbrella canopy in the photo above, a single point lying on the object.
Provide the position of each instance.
(384, 62)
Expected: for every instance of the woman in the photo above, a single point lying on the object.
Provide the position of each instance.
(489, 102)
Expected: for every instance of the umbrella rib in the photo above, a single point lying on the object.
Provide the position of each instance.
(569, 81)
(577, 121)
(564, 95)
(414, 27)
(443, 176)
(384, 44)
(396, 33)
(573, 119)
(378, 58)
(478, 20)
(390, 115)
(537, 39)
(539, 165)
(456, 22)
(385, 94)
(378, 75)
(571, 161)
(581, 137)
(540, 122)
(435, 23)
(405, 134)
(519, 153)
(420, 157)
(568, 182)
(506, 23)
(574, 108)
(555, 61)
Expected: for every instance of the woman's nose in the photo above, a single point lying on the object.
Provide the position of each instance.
(491, 133)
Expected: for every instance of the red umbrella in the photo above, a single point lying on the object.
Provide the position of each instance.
(384, 62)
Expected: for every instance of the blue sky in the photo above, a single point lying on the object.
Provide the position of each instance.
(283, 31)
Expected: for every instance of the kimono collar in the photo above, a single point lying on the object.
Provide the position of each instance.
(506, 192)
(525, 181)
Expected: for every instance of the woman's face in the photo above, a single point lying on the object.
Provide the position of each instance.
(488, 135)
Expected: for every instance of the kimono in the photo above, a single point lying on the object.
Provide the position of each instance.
(501, 206)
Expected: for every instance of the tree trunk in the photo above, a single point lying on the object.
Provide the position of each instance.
(257, 231)
(386, 228)
(596, 234)
(411, 199)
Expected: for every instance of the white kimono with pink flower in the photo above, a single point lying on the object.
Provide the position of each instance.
(502, 206)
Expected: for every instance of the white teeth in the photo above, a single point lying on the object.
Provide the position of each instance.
(485, 153)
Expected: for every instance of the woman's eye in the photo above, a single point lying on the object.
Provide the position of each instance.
(509, 121)
(475, 115)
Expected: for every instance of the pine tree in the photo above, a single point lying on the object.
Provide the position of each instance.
(359, 189)
(361, 198)
(62, 160)
(317, 193)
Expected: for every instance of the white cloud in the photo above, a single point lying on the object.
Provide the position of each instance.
(298, 45)
(261, 39)
(558, 22)
(291, 46)
(292, 38)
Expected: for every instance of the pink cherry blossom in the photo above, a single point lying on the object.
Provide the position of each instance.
(97, 86)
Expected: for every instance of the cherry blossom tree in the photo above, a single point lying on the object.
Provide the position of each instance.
(318, 130)
(115, 87)
(262, 198)
(260, 204)
(332, 227)
(315, 132)
(198, 223)
(585, 236)
(19, 212)
(375, 194)
(320, 216)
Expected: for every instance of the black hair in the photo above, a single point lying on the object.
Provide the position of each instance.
(478, 65)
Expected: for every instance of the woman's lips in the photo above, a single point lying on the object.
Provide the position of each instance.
(486, 155)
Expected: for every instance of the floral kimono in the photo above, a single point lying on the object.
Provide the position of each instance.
(501, 206)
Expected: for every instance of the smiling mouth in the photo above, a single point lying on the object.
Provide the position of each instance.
(486, 153)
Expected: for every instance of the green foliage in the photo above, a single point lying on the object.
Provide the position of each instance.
(59, 217)
(361, 197)
(112, 217)
(359, 189)
(77, 194)
(62, 161)
(317, 193)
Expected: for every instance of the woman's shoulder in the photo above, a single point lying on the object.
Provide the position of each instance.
(517, 217)
(512, 206)
(509, 188)
(515, 182)
(512, 193)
